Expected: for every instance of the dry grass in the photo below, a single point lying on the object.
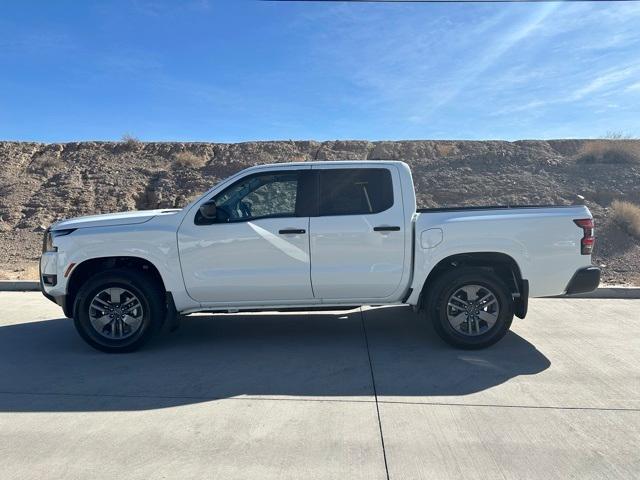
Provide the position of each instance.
(610, 152)
(627, 215)
(446, 149)
(189, 160)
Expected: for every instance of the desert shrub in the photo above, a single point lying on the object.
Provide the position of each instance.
(188, 159)
(130, 141)
(610, 151)
(613, 135)
(627, 215)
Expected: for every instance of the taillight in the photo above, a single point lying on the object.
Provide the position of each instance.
(588, 238)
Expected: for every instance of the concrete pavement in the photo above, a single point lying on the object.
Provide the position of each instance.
(371, 394)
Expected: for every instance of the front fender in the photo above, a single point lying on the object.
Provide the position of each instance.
(156, 243)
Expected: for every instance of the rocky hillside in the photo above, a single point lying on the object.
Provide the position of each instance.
(43, 182)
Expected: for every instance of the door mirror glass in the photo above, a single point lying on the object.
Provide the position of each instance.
(208, 210)
(209, 213)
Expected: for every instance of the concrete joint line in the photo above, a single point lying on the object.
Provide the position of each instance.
(375, 392)
(489, 405)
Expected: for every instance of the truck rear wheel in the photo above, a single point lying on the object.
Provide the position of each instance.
(471, 307)
(118, 310)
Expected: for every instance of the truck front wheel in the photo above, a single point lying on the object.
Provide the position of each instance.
(471, 307)
(118, 310)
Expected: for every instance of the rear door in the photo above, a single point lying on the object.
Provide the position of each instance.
(256, 248)
(358, 233)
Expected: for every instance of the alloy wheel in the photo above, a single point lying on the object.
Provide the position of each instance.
(472, 310)
(116, 313)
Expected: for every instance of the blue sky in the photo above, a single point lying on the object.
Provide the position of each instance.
(199, 70)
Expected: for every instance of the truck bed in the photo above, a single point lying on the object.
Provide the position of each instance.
(487, 207)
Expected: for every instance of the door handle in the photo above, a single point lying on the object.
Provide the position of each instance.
(292, 231)
(386, 229)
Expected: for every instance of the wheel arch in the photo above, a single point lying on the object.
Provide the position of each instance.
(85, 270)
(501, 264)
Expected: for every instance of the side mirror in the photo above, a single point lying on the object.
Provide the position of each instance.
(208, 210)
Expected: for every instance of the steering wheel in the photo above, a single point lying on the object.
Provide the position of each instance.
(245, 209)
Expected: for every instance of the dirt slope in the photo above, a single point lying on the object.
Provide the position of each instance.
(40, 183)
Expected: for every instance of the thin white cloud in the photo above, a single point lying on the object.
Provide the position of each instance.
(534, 105)
(605, 81)
(595, 92)
(427, 68)
(495, 51)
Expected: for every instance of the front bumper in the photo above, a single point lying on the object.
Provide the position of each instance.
(60, 300)
(47, 265)
(40, 279)
(584, 280)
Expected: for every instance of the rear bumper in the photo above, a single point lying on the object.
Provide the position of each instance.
(584, 280)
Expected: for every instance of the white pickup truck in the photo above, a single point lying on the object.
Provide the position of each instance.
(310, 236)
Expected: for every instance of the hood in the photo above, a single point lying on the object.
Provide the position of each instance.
(111, 219)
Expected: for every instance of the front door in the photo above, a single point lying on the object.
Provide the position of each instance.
(358, 234)
(254, 247)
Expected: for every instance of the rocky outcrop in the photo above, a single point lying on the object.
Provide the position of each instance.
(40, 183)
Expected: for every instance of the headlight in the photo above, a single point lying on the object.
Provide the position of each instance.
(47, 245)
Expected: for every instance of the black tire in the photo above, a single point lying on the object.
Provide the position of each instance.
(447, 284)
(143, 286)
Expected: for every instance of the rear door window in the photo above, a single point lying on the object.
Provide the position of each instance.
(354, 191)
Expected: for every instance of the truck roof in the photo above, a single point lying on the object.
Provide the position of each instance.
(330, 162)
